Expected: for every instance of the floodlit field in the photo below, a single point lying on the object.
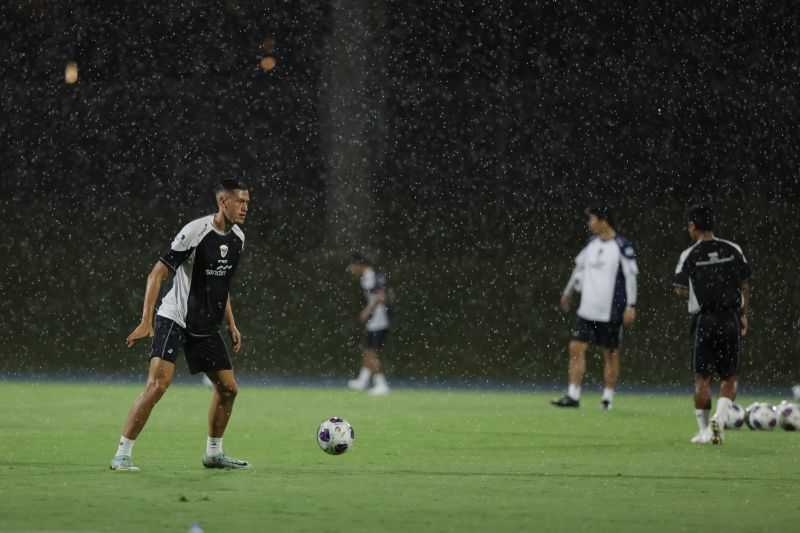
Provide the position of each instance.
(423, 461)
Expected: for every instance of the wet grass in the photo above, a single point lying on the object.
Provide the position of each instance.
(423, 461)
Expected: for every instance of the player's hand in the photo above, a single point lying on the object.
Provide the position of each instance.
(565, 303)
(364, 315)
(236, 338)
(144, 329)
(745, 325)
(629, 316)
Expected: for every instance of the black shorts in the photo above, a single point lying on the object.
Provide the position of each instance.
(717, 343)
(203, 354)
(604, 334)
(375, 340)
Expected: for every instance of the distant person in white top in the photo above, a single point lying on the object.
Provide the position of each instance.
(605, 275)
(375, 316)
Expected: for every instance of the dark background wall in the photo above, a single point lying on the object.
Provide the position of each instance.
(484, 129)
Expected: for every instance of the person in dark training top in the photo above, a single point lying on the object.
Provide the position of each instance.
(714, 275)
(203, 259)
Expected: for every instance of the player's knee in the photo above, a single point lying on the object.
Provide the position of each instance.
(228, 391)
(157, 387)
(575, 349)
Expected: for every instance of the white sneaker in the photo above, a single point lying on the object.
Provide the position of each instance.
(796, 392)
(354, 384)
(207, 382)
(379, 390)
(702, 437)
(716, 431)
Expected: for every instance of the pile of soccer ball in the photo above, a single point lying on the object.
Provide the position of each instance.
(764, 416)
(335, 435)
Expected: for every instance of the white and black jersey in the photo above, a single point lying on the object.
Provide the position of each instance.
(372, 283)
(605, 274)
(713, 271)
(204, 261)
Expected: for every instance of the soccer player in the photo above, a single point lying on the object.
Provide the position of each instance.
(375, 316)
(714, 275)
(202, 258)
(605, 274)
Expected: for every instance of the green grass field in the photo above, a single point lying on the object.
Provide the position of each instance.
(423, 461)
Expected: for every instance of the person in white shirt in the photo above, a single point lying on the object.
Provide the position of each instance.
(605, 275)
(375, 316)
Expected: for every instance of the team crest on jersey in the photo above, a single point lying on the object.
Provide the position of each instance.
(223, 250)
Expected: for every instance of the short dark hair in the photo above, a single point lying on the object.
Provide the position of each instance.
(357, 258)
(230, 184)
(702, 216)
(602, 212)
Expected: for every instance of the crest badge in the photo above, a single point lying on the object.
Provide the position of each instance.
(223, 250)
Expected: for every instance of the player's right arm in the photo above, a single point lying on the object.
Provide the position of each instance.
(157, 275)
(574, 282)
(680, 280)
(181, 248)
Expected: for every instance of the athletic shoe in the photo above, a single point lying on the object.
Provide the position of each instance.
(207, 382)
(796, 392)
(566, 401)
(223, 461)
(702, 437)
(379, 390)
(123, 463)
(716, 431)
(605, 405)
(354, 384)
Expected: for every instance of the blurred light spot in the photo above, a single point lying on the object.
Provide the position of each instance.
(267, 63)
(71, 73)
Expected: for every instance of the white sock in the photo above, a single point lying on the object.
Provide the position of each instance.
(574, 391)
(723, 404)
(364, 375)
(702, 418)
(214, 446)
(380, 380)
(125, 446)
(608, 394)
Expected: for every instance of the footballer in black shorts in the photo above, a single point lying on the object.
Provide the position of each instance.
(603, 334)
(713, 275)
(375, 340)
(204, 353)
(203, 259)
(605, 275)
(717, 343)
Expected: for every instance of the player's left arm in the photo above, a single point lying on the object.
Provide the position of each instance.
(630, 271)
(745, 288)
(236, 336)
(744, 275)
(380, 297)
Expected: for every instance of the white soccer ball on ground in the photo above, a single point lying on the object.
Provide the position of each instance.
(735, 417)
(761, 416)
(789, 416)
(335, 435)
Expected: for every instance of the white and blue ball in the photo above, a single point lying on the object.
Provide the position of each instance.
(761, 416)
(335, 435)
(736, 415)
(789, 416)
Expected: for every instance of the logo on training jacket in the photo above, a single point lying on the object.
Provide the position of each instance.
(223, 250)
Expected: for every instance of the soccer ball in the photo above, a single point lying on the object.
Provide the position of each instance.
(335, 435)
(761, 415)
(789, 416)
(735, 417)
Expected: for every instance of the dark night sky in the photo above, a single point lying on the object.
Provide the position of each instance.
(500, 123)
